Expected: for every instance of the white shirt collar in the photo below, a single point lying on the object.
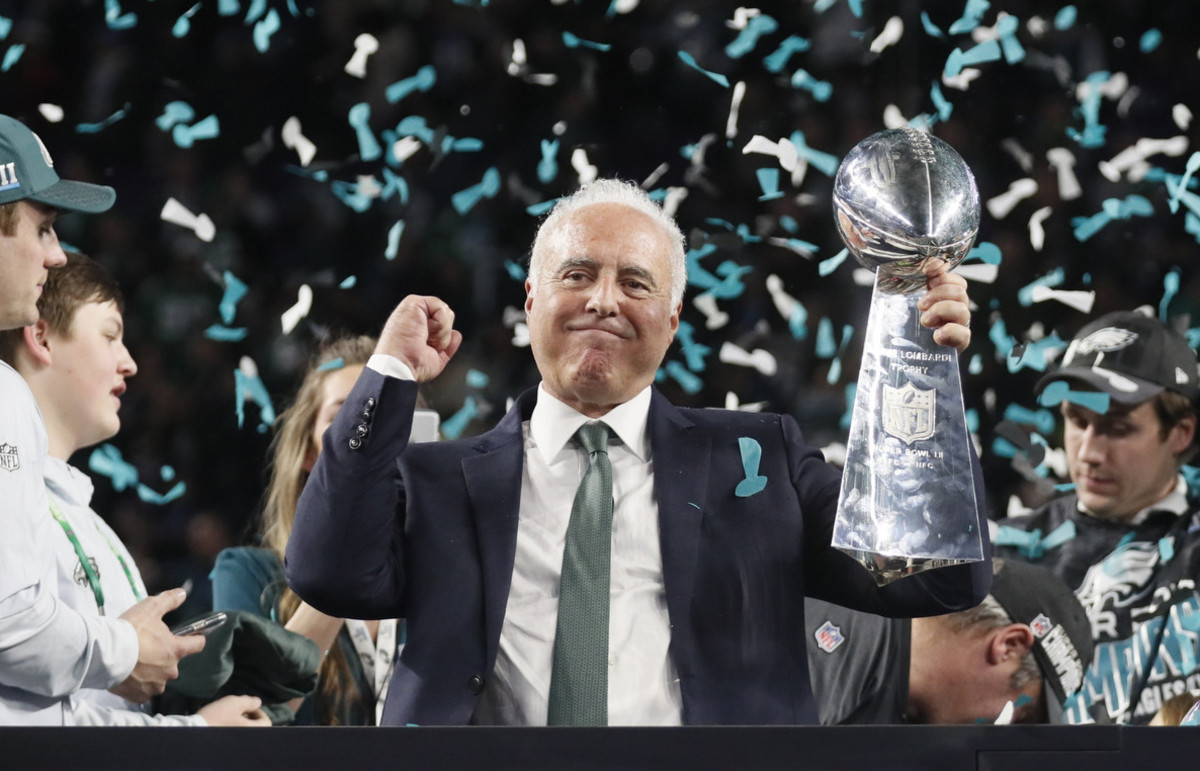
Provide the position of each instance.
(553, 423)
(68, 482)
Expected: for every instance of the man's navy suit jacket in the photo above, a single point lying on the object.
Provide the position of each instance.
(428, 532)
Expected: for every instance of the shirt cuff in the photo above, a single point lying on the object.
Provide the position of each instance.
(386, 364)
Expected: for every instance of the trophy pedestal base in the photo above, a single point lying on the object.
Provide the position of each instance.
(886, 569)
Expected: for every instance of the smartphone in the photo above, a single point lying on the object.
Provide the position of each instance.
(424, 426)
(202, 625)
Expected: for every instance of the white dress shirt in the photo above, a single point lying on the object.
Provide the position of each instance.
(643, 687)
(47, 650)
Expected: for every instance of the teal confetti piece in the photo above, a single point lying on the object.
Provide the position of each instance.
(228, 7)
(1030, 543)
(826, 346)
(1177, 185)
(514, 269)
(538, 209)
(1006, 28)
(1170, 289)
(971, 17)
(393, 240)
(257, 9)
(686, 379)
(1002, 448)
(768, 180)
(985, 251)
(150, 496)
(415, 126)
(571, 41)
(693, 352)
(332, 364)
(359, 119)
(235, 290)
(793, 44)
(264, 29)
(1166, 550)
(747, 38)
(1065, 18)
(251, 387)
(5, 27)
(453, 426)
(225, 334)
(821, 6)
(851, 392)
(348, 193)
(12, 56)
(825, 267)
(395, 185)
(1042, 420)
(1151, 39)
(174, 113)
(166, 473)
(717, 77)
(940, 103)
(348, 282)
(820, 90)
(931, 29)
(788, 223)
(1022, 700)
(547, 168)
(821, 161)
(987, 51)
(106, 461)
(464, 200)
(1058, 392)
(186, 136)
(972, 419)
(1093, 133)
(477, 379)
(183, 24)
(424, 80)
(115, 19)
(93, 128)
(976, 364)
(798, 322)
(754, 483)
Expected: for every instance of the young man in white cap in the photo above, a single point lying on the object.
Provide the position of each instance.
(1027, 644)
(1125, 540)
(47, 650)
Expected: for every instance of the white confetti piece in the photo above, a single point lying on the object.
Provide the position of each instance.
(1006, 714)
(295, 140)
(742, 17)
(759, 359)
(675, 196)
(51, 112)
(177, 214)
(784, 150)
(404, 147)
(364, 45)
(961, 81)
(292, 316)
(979, 272)
(893, 118)
(1131, 158)
(733, 403)
(784, 302)
(521, 335)
(1080, 300)
(586, 171)
(893, 30)
(1063, 161)
(739, 93)
(1182, 116)
(714, 317)
(1001, 205)
(1023, 157)
(1037, 234)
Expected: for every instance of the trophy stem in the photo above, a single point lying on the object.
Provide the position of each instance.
(907, 501)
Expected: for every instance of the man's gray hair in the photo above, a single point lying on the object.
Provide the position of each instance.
(613, 191)
(989, 615)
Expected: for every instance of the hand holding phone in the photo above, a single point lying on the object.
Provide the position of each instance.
(202, 625)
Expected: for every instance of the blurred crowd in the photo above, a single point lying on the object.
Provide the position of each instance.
(497, 107)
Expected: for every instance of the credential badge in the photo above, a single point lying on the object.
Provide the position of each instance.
(908, 412)
(829, 637)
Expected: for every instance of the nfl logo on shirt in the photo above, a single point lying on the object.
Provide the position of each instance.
(829, 637)
(9, 459)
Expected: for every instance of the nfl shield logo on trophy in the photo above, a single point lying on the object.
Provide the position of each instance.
(908, 412)
(10, 460)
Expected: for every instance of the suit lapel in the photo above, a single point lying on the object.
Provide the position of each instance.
(681, 461)
(493, 480)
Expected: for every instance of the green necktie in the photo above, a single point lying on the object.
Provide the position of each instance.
(579, 680)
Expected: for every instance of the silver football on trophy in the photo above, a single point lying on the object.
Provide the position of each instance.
(902, 197)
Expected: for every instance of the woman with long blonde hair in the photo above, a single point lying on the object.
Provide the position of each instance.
(360, 655)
